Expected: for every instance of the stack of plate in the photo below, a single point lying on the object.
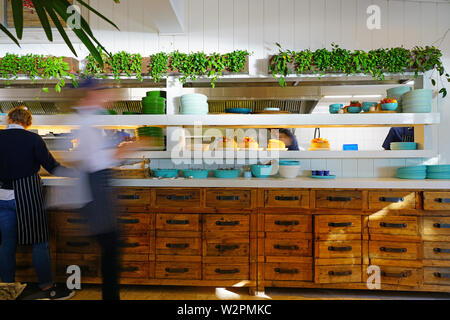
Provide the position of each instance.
(153, 135)
(153, 103)
(397, 93)
(438, 171)
(417, 101)
(403, 146)
(413, 172)
(194, 104)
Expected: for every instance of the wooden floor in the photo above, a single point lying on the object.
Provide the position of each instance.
(93, 292)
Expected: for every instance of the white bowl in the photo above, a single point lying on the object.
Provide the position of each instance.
(288, 172)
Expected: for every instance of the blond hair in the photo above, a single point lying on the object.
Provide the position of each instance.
(20, 115)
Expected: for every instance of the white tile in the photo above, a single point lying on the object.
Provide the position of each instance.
(349, 168)
(335, 167)
(365, 168)
(318, 164)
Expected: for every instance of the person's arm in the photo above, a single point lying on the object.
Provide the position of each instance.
(392, 136)
(48, 162)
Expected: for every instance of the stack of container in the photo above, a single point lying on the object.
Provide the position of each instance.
(194, 104)
(397, 93)
(413, 172)
(438, 171)
(417, 101)
(153, 135)
(153, 103)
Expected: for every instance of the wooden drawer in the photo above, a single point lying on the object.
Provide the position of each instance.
(225, 248)
(132, 196)
(288, 247)
(287, 223)
(286, 199)
(403, 276)
(178, 198)
(225, 272)
(177, 222)
(135, 223)
(436, 226)
(76, 244)
(70, 223)
(226, 222)
(395, 225)
(326, 224)
(178, 270)
(178, 246)
(89, 266)
(392, 200)
(436, 250)
(134, 245)
(135, 270)
(338, 274)
(394, 250)
(439, 276)
(338, 199)
(24, 266)
(436, 200)
(224, 198)
(288, 271)
(338, 249)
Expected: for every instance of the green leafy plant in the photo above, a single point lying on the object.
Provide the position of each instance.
(374, 62)
(159, 65)
(126, 63)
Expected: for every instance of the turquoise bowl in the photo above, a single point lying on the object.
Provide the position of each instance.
(438, 175)
(226, 174)
(414, 176)
(165, 173)
(196, 174)
(334, 108)
(354, 109)
(238, 110)
(289, 163)
(366, 106)
(389, 106)
(418, 93)
(439, 168)
(397, 91)
(261, 170)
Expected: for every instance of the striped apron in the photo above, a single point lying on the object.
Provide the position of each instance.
(32, 219)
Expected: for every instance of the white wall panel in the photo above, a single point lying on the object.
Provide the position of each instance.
(241, 26)
(196, 16)
(317, 25)
(302, 25)
(287, 23)
(226, 25)
(211, 26)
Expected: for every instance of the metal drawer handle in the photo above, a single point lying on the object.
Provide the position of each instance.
(285, 247)
(179, 198)
(331, 248)
(341, 199)
(404, 274)
(177, 221)
(442, 275)
(128, 197)
(227, 198)
(227, 223)
(340, 273)
(128, 221)
(177, 270)
(224, 247)
(285, 198)
(177, 245)
(225, 271)
(440, 250)
(288, 271)
(442, 200)
(129, 269)
(24, 267)
(78, 244)
(396, 250)
(393, 225)
(129, 245)
(286, 223)
(388, 199)
(73, 220)
(339, 224)
(441, 225)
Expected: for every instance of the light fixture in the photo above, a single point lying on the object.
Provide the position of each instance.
(410, 83)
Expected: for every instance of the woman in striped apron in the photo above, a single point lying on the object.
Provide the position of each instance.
(23, 219)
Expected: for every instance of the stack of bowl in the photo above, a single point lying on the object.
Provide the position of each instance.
(288, 168)
(195, 173)
(397, 93)
(153, 135)
(413, 172)
(153, 103)
(417, 101)
(261, 170)
(438, 171)
(194, 104)
(403, 146)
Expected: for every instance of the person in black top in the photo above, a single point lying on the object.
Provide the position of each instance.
(23, 219)
(398, 134)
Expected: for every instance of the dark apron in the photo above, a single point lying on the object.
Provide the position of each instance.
(32, 219)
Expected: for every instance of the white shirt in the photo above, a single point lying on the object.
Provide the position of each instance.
(7, 195)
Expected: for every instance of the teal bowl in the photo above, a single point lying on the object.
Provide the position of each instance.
(366, 106)
(261, 170)
(165, 173)
(226, 174)
(418, 93)
(238, 110)
(354, 109)
(397, 91)
(438, 175)
(334, 108)
(411, 176)
(439, 168)
(196, 174)
(389, 106)
(289, 163)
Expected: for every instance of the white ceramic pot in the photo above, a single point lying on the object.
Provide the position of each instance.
(288, 172)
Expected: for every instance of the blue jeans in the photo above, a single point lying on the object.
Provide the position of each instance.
(8, 247)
